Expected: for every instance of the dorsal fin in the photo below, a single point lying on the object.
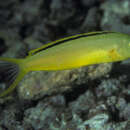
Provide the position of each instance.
(32, 52)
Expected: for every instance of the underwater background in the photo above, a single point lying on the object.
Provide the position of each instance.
(95, 97)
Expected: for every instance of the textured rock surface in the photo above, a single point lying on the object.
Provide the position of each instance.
(39, 84)
(96, 97)
(116, 16)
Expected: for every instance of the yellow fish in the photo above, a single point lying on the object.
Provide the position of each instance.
(67, 53)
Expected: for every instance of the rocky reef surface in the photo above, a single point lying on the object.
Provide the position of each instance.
(95, 97)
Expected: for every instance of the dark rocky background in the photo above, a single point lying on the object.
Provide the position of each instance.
(89, 98)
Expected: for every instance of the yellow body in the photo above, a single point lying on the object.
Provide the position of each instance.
(71, 52)
(99, 48)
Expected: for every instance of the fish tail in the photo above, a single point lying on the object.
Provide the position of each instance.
(13, 70)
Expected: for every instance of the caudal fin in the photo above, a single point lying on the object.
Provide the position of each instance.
(11, 69)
